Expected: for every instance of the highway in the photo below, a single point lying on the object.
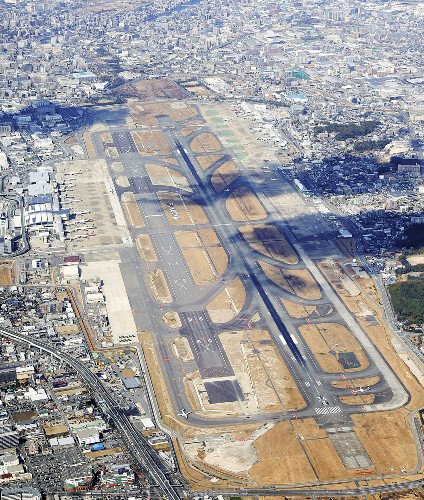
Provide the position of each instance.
(145, 458)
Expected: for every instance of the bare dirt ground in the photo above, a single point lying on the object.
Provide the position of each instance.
(187, 130)
(204, 255)
(358, 400)
(117, 167)
(122, 180)
(243, 205)
(387, 438)
(202, 237)
(146, 113)
(325, 337)
(132, 212)
(200, 265)
(182, 349)
(297, 281)
(172, 319)
(205, 142)
(415, 259)
(71, 141)
(281, 458)
(111, 152)
(106, 137)
(268, 240)
(189, 212)
(165, 176)
(151, 143)
(205, 161)
(88, 144)
(297, 310)
(159, 287)
(224, 176)
(145, 248)
(156, 87)
(261, 372)
(6, 273)
(358, 382)
(228, 303)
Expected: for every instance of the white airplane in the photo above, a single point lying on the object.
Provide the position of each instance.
(361, 389)
(184, 413)
(81, 212)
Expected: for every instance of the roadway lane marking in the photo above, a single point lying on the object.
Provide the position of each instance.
(328, 409)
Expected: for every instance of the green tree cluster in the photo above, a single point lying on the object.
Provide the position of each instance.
(361, 146)
(408, 300)
(348, 130)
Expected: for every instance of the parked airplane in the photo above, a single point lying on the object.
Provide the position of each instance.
(184, 413)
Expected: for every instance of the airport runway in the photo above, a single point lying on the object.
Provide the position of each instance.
(262, 295)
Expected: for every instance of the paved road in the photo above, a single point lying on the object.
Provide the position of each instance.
(141, 451)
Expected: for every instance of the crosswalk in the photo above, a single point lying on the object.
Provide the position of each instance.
(324, 410)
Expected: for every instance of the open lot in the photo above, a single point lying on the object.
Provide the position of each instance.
(261, 372)
(132, 212)
(117, 167)
(146, 114)
(228, 303)
(203, 253)
(298, 310)
(156, 87)
(358, 400)
(358, 382)
(145, 248)
(297, 281)
(331, 343)
(205, 142)
(281, 458)
(151, 143)
(205, 161)
(187, 211)
(387, 438)
(88, 144)
(165, 176)
(224, 176)
(182, 349)
(268, 240)
(243, 205)
(6, 273)
(172, 319)
(159, 286)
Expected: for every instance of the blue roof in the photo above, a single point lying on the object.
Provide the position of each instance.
(131, 382)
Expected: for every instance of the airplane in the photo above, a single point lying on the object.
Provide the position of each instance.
(361, 389)
(80, 212)
(184, 413)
